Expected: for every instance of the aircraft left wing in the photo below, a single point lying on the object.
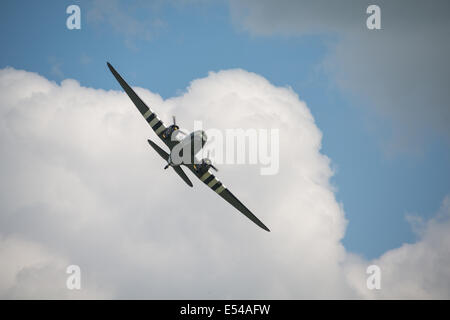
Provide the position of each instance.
(148, 114)
(212, 182)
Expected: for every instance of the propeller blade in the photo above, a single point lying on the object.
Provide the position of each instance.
(214, 168)
(174, 121)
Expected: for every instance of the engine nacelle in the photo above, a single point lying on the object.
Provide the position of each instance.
(169, 131)
(202, 167)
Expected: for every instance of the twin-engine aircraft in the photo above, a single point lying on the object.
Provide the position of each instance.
(177, 140)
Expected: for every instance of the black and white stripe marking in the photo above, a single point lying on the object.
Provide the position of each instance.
(154, 121)
(212, 182)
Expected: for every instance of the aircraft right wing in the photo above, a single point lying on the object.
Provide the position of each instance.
(148, 114)
(212, 182)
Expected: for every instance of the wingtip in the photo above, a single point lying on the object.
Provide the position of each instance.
(262, 226)
(109, 66)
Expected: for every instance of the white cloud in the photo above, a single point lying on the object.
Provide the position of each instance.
(413, 271)
(81, 186)
(400, 71)
(30, 271)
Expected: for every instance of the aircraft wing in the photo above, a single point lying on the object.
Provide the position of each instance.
(158, 126)
(152, 119)
(212, 182)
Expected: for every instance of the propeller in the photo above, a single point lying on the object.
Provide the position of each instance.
(174, 120)
(208, 162)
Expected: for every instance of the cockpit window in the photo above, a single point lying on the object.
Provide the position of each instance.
(179, 135)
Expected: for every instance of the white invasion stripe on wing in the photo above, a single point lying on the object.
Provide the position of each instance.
(205, 176)
(155, 120)
(148, 114)
(212, 182)
(220, 189)
(161, 128)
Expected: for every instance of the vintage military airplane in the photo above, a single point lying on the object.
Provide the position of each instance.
(177, 139)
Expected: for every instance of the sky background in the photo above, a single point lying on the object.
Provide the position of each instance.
(378, 97)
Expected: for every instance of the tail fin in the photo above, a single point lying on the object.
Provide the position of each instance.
(177, 169)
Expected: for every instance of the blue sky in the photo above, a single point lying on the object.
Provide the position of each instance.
(186, 41)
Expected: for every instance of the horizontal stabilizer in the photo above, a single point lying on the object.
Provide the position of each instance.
(165, 156)
(183, 175)
(160, 151)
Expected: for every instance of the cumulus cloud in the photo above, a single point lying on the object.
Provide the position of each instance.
(30, 271)
(81, 186)
(400, 71)
(413, 271)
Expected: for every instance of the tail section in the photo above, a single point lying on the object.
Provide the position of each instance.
(177, 169)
